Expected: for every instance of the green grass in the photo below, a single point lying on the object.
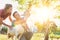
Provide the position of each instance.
(36, 36)
(4, 37)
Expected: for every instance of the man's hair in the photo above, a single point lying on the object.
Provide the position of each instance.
(7, 6)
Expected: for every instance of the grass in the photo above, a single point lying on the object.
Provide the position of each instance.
(3, 37)
(36, 36)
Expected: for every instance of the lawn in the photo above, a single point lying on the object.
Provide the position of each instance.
(3, 37)
(36, 36)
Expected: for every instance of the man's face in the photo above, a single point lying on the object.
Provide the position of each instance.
(9, 10)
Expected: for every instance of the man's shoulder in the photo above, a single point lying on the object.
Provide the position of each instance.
(1, 10)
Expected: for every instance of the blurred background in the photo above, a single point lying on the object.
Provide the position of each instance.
(41, 12)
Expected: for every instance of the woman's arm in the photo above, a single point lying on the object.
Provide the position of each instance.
(26, 14)
(25, 26)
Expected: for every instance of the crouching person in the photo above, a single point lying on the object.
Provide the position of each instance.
(4, 13)
(17, 29)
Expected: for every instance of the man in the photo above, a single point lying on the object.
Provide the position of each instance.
(4, 13)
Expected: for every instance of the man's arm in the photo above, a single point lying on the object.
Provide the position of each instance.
(10, 18)
(1, 22)
(6, 25)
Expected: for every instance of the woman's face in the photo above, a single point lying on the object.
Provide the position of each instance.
(16, 15)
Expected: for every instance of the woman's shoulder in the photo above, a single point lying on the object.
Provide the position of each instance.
(16, 22)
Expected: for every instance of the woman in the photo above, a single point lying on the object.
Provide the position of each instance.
(19, 26)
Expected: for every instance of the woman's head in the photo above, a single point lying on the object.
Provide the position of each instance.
(16, 15)
(8, 8)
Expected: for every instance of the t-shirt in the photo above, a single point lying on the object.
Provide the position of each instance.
(18, 29)
(3, 15)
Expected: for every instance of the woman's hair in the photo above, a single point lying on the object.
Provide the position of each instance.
(7, 6)
(14, 13)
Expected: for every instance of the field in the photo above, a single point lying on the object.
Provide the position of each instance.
(3, 37)
(36, 36)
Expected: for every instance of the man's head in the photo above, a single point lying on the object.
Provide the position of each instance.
(8, 8)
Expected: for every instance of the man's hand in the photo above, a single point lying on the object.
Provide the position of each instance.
(10, 26)
(7, 25)
(1, 19)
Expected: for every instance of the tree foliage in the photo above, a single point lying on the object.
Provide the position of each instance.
(26, 4)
